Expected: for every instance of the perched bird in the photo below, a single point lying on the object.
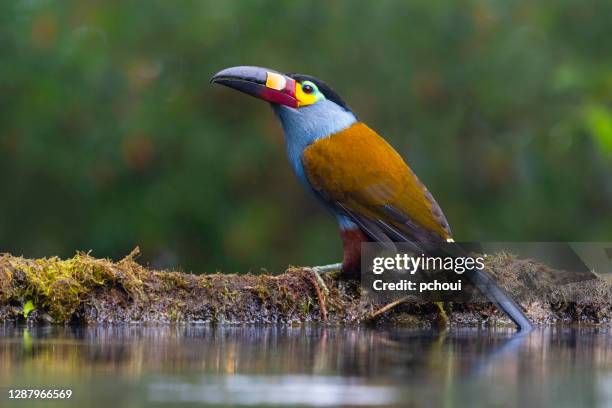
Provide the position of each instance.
(352, 171)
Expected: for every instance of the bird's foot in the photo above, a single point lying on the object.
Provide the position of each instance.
(327, 268)
(318, 270)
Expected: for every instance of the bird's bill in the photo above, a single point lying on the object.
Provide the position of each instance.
(261, 83)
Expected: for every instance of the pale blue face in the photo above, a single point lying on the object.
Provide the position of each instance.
(305, 125)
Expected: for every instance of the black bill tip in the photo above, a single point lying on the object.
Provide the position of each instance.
(254, 75)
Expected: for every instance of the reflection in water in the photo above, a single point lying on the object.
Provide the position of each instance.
(309, 366)
(265, 390)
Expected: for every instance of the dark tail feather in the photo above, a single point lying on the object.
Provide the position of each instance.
(384, 233)
(485, 283)
(496, 295)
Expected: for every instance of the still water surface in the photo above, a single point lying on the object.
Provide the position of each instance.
(270, 366)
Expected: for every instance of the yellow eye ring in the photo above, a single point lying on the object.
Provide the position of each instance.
(307, 93)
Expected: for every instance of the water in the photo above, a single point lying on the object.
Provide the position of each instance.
(272, 366)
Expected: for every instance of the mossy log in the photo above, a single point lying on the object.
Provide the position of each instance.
(86, 290)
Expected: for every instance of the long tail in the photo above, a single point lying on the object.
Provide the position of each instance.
(496, 295)
(382, 232)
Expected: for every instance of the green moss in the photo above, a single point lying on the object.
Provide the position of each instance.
(175, 315)
(174, 280)
(262, 292)
(306, 306)
(228, 294)
(6, 284)
(28, 307)
(204, 282)
(285, 300)
(59, 286)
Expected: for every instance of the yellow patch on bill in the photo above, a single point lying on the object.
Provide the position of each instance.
(275, 81)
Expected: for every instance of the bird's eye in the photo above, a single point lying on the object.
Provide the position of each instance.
(307, 88)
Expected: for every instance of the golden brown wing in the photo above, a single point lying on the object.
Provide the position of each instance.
(360, 173)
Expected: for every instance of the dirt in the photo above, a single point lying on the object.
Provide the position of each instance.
(87, 290)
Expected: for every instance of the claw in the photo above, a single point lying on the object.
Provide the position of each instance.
(318, 270)
(316, 273)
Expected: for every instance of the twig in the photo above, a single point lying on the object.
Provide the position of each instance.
(132, 255)
(387, 307)
(320, 296)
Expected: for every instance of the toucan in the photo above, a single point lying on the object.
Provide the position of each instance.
(353, 172)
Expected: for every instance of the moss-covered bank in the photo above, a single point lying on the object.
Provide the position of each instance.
(84, 289)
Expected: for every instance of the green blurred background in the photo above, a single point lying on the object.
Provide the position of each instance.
(112, 137)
